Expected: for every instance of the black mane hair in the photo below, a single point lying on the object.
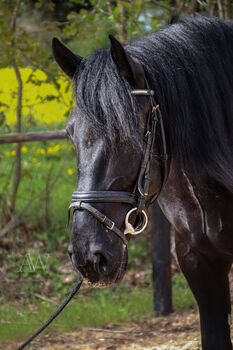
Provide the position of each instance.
(104, 98)
(189, 65)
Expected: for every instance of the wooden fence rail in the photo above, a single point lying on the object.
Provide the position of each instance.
(33, 136)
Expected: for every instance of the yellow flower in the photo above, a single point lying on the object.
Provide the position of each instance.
(54, 149)
(24, 149)
(70, 171)
(40, 151)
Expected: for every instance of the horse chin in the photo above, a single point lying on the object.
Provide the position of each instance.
(108, 281)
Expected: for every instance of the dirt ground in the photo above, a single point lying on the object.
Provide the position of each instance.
(180, 331)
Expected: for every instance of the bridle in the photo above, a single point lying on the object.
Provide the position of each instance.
(140, 198)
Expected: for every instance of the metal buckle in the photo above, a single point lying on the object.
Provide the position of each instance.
(111, 228)
(129, 229)
(104, 222)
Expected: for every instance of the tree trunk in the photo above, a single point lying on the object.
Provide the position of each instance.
(18, 157)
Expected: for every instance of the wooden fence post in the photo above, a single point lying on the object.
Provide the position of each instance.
(161, 262)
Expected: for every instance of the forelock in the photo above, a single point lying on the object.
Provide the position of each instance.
(104, 99)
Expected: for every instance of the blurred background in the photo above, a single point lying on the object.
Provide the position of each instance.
(37, 178)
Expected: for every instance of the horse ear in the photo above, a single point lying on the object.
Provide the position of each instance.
(66, 59)
(129, 68)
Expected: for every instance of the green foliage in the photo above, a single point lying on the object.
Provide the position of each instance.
(27, 43)
(182, 295)
(87, 30)
(48, 179)
(138, 253)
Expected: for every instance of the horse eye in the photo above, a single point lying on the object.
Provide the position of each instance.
(88, 143)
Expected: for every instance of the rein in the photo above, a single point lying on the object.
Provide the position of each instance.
(140, 198)
(54, 315)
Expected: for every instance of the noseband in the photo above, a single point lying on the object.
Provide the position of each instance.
(140, 198)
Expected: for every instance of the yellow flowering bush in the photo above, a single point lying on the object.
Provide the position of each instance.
(47, 166)
(43, 102)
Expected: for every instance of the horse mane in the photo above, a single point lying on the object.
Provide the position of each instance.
(189, 66)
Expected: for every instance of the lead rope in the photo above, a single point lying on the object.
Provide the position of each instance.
(74, 290)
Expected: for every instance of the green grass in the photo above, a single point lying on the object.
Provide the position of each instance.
(97, 309)
(100, 307)
(182, 295)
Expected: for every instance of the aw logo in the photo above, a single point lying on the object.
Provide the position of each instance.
(32, 263)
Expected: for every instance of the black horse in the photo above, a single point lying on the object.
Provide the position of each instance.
(117, 129)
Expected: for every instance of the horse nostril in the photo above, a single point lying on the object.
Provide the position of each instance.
(100, 264)
(103, 266)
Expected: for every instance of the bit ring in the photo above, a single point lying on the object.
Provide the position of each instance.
(129, 229)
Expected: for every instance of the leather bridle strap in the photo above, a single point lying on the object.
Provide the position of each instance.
(143, 183)
(154, 118)
(104, 196)
(162, 157)
(101, 217)
(82, 200)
